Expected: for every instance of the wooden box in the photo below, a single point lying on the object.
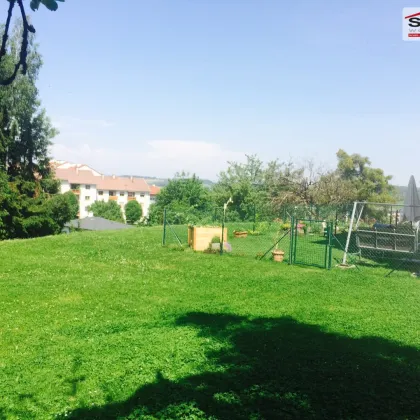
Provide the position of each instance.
(199, 238)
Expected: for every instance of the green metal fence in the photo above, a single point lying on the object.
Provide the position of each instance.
(311, 243)
(301, 241)
(309, 235)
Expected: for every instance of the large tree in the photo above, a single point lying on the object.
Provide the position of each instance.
(369, 184)
(244, 183)
(28, 188)
(288, 183)
(266, 189)
(185, 197)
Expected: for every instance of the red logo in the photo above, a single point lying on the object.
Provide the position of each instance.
(411, 24)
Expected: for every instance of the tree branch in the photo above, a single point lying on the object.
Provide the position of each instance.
(24, 46)
(6, 29)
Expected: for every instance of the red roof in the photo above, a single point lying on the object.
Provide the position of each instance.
(154, 190)
(116, 183)
(108, 183)
(75, 176)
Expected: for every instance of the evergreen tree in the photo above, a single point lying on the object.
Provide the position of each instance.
(27, 185)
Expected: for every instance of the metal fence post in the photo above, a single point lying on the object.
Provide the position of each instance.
(164, 227)
(330, 246)
(336, 222)
(292, 228)
(223, 234)
(295, 238)
(327, 263)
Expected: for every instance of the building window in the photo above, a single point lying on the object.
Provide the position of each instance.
(122, 194)
(112, 194)
(141, 195)
(74, 186)
(88, 187)
(87, 208)
(100, 192)
(87, 197)
(131, 194)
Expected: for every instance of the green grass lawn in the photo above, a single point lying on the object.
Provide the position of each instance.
(112, 325)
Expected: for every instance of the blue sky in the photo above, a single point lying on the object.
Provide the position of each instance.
(152, 87)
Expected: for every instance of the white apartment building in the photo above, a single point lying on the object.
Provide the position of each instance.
(90, 186)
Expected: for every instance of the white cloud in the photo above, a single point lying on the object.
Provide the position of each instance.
(158, 158)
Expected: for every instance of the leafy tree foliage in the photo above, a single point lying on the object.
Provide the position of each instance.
(21, 62)
(331, 189)
(268, 187)
(277, 185)
(49, 4)
(133, 212)
(74, 204)
(185, 196)
(369, 184)
(28, 191)
(108, 210)
(244, 183)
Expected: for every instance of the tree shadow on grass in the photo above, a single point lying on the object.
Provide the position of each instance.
(280, 368)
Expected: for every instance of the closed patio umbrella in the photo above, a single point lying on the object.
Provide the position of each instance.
(412, 202)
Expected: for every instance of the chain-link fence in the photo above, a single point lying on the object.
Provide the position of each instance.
(373, 235)
(255, 233)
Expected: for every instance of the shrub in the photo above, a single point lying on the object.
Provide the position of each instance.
(215, 240)
(110, 210)
(59, 208)
(42, 225)
(316, 228)
(262, 227)
(73, 202)
(133, 212)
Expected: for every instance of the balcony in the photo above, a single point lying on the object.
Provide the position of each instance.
(131, 198)
(76, 192)
(113, 198)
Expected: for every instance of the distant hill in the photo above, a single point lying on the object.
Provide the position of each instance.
(162, 182)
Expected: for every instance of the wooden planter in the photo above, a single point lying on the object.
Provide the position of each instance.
(240, 234)
(199, 238)
(278, 255)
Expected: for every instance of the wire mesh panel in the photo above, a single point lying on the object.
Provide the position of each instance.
(174, 234)
(312, 243)
(254, 236)
(246, 240)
